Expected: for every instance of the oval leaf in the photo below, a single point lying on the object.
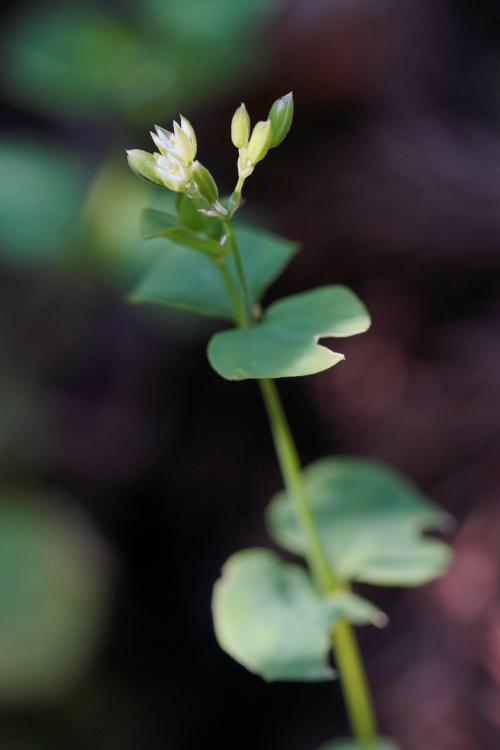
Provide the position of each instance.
(191, 281)
(269, 617)
(285, 343)
(370, 519)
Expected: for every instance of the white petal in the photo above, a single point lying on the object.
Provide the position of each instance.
(189, 131)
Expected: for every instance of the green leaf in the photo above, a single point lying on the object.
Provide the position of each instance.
(269, 617)
(371, 521)
(54, 588)
(382, 744)
(191, 281)
(285, 343)
(160, 224)
(154, 222)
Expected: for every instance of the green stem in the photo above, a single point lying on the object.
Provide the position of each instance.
(292, 474)
(347, 655)
(345, 646)
(241, 315)
(239, 270)
(355, 686)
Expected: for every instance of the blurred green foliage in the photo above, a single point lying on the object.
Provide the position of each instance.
(77, 78)
(39, 202)
(54, 576)
(87, 61)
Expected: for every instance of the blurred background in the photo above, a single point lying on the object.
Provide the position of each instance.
(129, 471)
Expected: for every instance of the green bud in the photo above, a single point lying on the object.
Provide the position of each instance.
(259, 143)
(143, 165)
(281, 116)
(205, 182)
(240, 127)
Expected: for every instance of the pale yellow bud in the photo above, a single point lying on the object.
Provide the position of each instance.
(259, 143)
(143, 165)
(240, 127)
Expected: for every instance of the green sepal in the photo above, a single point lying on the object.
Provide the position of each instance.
(160, 224)
(190, 217)
(205, 182)
(143, 165)
(285, 343)
(371, 522)
(192, 281)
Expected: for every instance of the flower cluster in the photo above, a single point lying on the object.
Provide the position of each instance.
(175, 167)
(265, 135)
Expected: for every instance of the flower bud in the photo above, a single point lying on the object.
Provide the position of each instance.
(143, 165)
(205, 182)
(240, 127)
(281, 115)
(260, 140)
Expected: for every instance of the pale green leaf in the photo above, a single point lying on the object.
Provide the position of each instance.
(269, 617)
(154, 222)
(285, 343)
(191, 281)
(371, 521)
(161, 224)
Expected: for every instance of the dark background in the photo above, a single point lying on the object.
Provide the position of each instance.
(150, 469)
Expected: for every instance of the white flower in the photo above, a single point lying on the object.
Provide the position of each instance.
(173, 162)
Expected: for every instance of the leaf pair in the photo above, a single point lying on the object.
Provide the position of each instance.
(268, 615)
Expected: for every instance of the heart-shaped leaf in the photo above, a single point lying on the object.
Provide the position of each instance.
(191, 281)
(269, 617)
(285, 343)
(370, 520)
(160, 224)
(382, 744)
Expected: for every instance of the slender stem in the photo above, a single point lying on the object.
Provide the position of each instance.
(239, 308)
(345, 646)
(347, 655)
(239, 270)
(355, 685)
(292, 473)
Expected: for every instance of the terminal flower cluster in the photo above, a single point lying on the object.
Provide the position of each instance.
(174, 165)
